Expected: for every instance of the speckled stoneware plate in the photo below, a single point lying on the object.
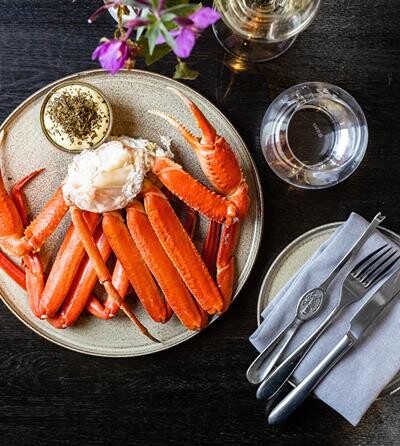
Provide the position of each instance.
(131, 94)
(292, 258)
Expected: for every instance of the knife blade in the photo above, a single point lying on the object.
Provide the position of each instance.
(361, 323)
(365, 317)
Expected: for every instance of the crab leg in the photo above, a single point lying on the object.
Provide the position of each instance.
(101, 269)
(181, 249)
(226, 262)
(34, 277)
(222, 169)
(190, 222)
(96, 308)
(110, 309)
(33, 281)
(193, 193)
(47, 220)
(14, 271)
(216, 159)
(12, 239)
(168, 278)
(11, 228)
(132, 262)
(215, 155)
(83, 284)
(31, 261)
(18, 197)
(60, 279)
(121, 282)
(210, 247)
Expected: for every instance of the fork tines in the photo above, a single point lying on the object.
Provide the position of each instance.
(375, 265)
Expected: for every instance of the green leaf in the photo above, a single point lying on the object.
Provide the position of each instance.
(159, 51)
(143, 15)
(168, 17)
(167, 36)
(152, 34)
(172, 3)
(132, 3)
(176, 2)
(182, 71)
(183, 10)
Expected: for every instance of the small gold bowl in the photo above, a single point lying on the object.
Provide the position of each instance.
(59, 138)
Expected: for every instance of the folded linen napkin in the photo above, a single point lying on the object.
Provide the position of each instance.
(357, 380)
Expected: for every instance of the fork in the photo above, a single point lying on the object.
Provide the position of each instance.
(365, 274)
(309, 306)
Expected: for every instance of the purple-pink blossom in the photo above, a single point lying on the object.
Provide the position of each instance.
(112, 54)
(189, 28)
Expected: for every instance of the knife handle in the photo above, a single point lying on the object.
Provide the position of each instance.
(269, 357)
(277, 398)
(297, 396)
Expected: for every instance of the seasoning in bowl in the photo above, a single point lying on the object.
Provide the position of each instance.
(76, 116)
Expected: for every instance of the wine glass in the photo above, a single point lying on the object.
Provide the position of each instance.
(261, 30)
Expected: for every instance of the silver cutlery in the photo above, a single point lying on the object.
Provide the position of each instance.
(360, 325)
(308, 307)
(366, 273)
(392, 388)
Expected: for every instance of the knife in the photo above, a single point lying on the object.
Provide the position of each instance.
(363, 321)
(309, 305)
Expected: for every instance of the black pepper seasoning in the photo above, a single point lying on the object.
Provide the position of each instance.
(77, 114)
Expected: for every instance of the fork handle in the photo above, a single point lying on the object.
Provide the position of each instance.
(297, 396)
(268, 358)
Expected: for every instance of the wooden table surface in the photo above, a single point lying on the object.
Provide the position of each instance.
(197, 393)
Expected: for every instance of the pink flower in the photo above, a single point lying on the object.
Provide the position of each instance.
(112, 54)
(189, 28)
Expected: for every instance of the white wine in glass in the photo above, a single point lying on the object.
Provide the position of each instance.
(260, 30)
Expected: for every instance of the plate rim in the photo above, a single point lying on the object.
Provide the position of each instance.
(259, 228)
(283, 252)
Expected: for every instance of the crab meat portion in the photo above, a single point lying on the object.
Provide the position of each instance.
(110, 177)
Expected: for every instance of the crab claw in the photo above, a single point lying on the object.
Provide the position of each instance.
(193, 140)
(208, 131)
(209, 134)
(214, 153)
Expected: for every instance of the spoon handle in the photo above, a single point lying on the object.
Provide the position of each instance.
(269, 357)
(284, 371)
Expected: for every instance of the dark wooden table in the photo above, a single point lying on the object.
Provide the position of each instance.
(197, 393)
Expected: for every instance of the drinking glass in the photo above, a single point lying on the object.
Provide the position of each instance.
(261, 30)
(314, 135)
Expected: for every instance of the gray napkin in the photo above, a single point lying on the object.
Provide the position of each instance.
(357, 380)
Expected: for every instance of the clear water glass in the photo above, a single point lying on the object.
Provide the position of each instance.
(314, 135)
(260, 30)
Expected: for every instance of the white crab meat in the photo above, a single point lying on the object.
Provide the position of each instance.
(111, 176)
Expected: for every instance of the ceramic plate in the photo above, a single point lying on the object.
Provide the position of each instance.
(131, 94)
(292, 258)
